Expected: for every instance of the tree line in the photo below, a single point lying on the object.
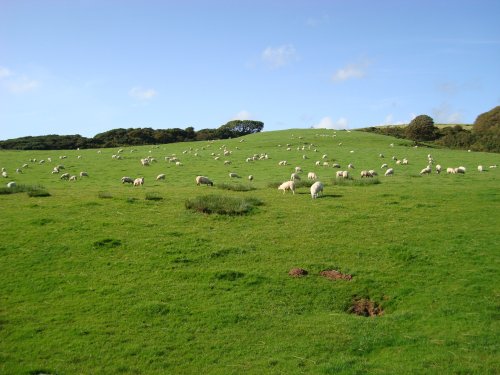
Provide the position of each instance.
(132, 137)
(484, 135)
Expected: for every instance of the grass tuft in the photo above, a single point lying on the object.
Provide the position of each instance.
(107, 243)
(235, 187)
(104, 195)
(222, 205)
(153, 196)
(353, 182)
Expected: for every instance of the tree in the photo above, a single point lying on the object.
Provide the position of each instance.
(488, 122)
(421, 128)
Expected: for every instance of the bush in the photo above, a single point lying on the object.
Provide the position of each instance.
(219, 204)
(235, 187)
(153, 196)
(31, 190)
(421, 128)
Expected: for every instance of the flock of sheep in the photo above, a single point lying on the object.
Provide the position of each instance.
(315, 190)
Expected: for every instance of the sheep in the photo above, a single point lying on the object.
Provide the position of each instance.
(350, 166)
(160, 177)
(72, 178)
(283, 162)
(389, 172)
(287, 185)
(179, 164)
(366, 174)
(294, 177)
(55, 170)
(316, 188)
(312, 176)
(139, 181)
(493, 166)
(480, 168)
(144, 162)
(65, 176)
(339, 174)
(381, 156)
(250, 178)
(450, 170)
(202, 180)
(19, 170)
(373, 172)
(345, 174)
(460, 170)
(233, 175)
(335, 165)
(405, 161)
(128, 180)
(298, 169)
(318, 163)
(11, 184)
(4, 174)
(84, 174)
(383, 166)
(438, 168)
(227, 162)
(426, 170)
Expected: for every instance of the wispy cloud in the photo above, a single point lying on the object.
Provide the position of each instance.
(277, 57)
(22, 85)
(351, 71)
(444, 114)
(328, 123)
(142, 94)
(4, 72)
(317, 21)
(242, 115)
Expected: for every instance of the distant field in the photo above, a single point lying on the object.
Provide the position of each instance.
(102, 277)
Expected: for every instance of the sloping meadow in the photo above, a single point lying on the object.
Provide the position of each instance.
(109, 278)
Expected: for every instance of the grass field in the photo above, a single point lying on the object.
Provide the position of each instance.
(102, 277)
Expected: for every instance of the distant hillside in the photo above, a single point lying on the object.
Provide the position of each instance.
(132, 137)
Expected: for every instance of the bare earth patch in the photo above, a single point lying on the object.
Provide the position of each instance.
(365, 307)
(335, 275)
(297, 272)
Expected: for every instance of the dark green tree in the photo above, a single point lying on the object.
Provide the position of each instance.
(421, 128)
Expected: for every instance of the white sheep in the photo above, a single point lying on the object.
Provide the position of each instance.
(11, 184)
(298, 169)
(139, 181)
(366, 174)
(250, 178)
(460, 170)
(234, 175)
(339, 174)
(294, 177)
(4, 174)
(160, 177)
(312, 176)
(287, 185)
(72, 178)
(450, 170)
(19, 170)
(316, 188)
(84, 174)
(227, 162)
(389, 172)
(350, 166)
(202, 180)
(373, 172)
(426, 170)
(127, 180)
(480, 168)
(65, 176)
(345, 174)
(438, 168)
(144, 162)
(335, 165)
(384, 166)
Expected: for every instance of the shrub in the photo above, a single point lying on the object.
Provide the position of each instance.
(235, 187)
(219, 204)
(153, 196)
(421, 128)
(104, 195)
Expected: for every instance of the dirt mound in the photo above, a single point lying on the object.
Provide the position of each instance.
(365, 307)
(335, 275)
(297, 272)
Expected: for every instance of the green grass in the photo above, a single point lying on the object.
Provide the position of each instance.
(128, 285)
(222, 205)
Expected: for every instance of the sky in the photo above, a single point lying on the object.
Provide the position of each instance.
(89, 66)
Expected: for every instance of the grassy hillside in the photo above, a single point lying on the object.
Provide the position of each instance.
(97, 279)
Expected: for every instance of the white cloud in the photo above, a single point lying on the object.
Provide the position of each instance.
(317, 21)
(444, 114)
(242, 115)
(328, 123)
(4, 72)
(277, 57)
(142, 94)
(351, 71)
(22, 85)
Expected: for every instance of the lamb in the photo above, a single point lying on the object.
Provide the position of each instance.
(339, 174)
(18, 170)
(345, 174)
(139, 181)
(426, 170)
(287, 185)
(128, 180)
(294, 177)
(316, 188)
(312, 176)
(202, 180)
(160, 177)
(389, 172)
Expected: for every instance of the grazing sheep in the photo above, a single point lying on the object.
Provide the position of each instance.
(480, 168)
(294, 177)
(65, 176)
(283, 162)
(350, 166)
(381, 156)
(345, 174)
(426, 170)
(384, 166)
(493, 166)
(84, 174)
(139, 181)
(405, 161)
(4, 174)
(72, 178)
(366, 174)
(339, 174)
(234, 175)
(438, 168)
(160, 177)
(202, 180)
(450, 170)
(227, 162)
(287, 185)
(373, 172)
(389, 172)
(179, 164)
(312, 176)
(298, 169)
(335, 165)
(11, 184)
(318, 163)
(316, 188)
(144, 162)
(18, 170)
(250, 178)
(127, 180)
(460, 170)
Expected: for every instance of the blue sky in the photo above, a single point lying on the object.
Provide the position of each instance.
(88, 66)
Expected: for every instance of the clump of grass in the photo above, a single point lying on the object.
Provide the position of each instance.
(104, 195)
(222, 205)
(153, 196)
(38, 193)
(235, 187)
(353, 182)
(32, 190)
(107, 243)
